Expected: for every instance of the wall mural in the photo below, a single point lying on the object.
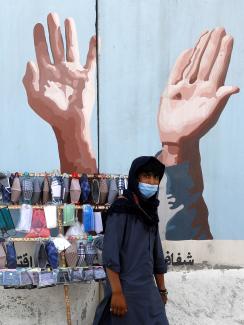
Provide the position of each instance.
(190, 106)
(61, 90)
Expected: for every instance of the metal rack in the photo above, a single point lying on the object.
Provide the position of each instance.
(57, 173)
(62, 254)
(77, 207)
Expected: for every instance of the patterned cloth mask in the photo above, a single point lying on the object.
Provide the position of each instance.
(66, 187)
(85, 188)
(71, 254)
(11, 256)
(113, 191)
(95, 190)
(103, 186)
(36, 191)
(75, 189)
(25, 220)
(16, 189)
(52, 254)
(27, 188)
(5, 188)
(46, 191)
(38, 225)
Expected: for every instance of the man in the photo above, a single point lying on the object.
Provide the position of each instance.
(132, 252)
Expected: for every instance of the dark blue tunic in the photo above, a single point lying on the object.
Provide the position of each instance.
(136, 254)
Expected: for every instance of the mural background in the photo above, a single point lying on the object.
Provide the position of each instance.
(140, 41)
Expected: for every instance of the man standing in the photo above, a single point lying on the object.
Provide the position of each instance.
(132, 252)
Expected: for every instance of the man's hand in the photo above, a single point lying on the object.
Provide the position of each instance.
(62, 92)
(118, 304)
(164, 299)
(195, 96)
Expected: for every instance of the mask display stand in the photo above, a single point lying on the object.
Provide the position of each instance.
(60, 227)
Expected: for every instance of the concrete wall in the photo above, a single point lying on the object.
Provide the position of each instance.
(196, 297)
(46, 306)
(205, 297)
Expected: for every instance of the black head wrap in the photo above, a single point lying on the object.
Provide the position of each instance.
(132, 201)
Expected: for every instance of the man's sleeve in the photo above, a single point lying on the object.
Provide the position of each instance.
(113, 238)
(159, 263)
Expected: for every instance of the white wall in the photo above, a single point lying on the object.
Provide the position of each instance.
(47, 305)
(206, 297)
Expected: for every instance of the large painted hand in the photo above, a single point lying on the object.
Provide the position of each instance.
(190, 106)
(62, 92)
(195, 96)
(62, 89)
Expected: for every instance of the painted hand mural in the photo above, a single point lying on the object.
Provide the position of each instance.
(62, 92)
(190, 106)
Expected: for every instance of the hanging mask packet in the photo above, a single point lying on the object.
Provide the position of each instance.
(5, 188)
(85, 188)
(6, 221)
(90, 251)
(95, 191)
(71, 255)
(63, 276)
(68, 214)
(47, 279)
(99, 273)
(66, 186)
(51, 216)
(11, 278)
(77, 274)
(16, 189)
(113, 191)
(36, 197)
(1, 277)
(2, 256)
(45, 190)
(38, 225)
(81, 252)
(27, 188)
(34, 275)
(40, 256)
(75, 189)
(88, 274)
(11, 256)
(56, 189)
(103, 186)
(88, 218)
(121, 185)
(52, 254)
(25, 279)
(24, 223)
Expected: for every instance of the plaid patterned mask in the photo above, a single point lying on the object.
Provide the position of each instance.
(71, 254)
(27, 189)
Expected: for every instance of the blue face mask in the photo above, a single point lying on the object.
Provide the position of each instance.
(147, 190)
